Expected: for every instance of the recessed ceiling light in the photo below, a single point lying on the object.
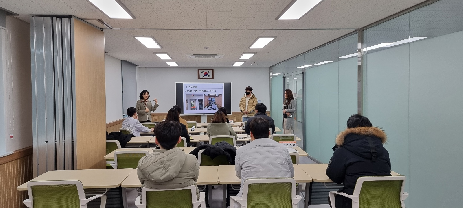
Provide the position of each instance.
(305, 66)
(261, 42)
(298, 9)
(148, 42)
(163, 56)
(239, 63)
(113, 8)
(171, 63)
(247, 55)
(295, 78)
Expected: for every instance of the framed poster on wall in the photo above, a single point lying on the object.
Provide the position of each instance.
(205, 73)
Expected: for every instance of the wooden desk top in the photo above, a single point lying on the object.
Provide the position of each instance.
(316, 171)
(199, 138)
(277, 129)
(141, 140)
(197, 130)
(238, 130)
(208, 175)
(90, 178)
(110, 156)
(204, 125)
(301, 152)
(227, 175)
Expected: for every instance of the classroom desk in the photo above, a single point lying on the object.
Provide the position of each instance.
(197, 130)
(199, 138)
(238, 130)
(141, 140)
(227, 175)
(204, 125)
(90, 178)
(110, 156)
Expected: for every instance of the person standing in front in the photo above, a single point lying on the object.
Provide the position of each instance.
(248, 104)
(289, 109)
(144, 107)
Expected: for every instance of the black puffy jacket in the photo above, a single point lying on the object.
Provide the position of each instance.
(360, 153)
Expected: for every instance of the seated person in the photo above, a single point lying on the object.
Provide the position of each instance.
(132, 124)
(169, 167)
(263, 157)
(224, 111)
(179, 110)
(219, 126)
(358, 152)
(172, 115)
(262, 113)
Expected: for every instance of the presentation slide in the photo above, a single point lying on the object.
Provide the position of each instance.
(203, 98)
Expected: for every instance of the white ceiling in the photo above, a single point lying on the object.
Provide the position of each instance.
(226, 27)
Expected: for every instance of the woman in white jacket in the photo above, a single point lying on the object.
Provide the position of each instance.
(288, 112)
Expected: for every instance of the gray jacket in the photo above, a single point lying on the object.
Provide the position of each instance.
(141, 107)
(168, 169)
(134, 126)
(214, 129)
(263, 158)
(291, 108)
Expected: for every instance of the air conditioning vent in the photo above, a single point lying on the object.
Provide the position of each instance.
(206, 56)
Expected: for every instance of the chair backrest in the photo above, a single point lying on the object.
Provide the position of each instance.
(128, 159)
(55, 194)
(205, 160)
(283, 137)
(125, 132)
(269, 193)
(191, 124)
(182, 143)
(294, 158)
(161, 198)
(230, 139)
(376, 192)
(149, 125)
(112, 145)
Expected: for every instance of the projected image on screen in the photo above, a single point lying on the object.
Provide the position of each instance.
(203, 97)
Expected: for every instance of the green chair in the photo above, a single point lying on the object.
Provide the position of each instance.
(128, 159)
(125, 132)
(58, 194)
(111, 145)
(182, 143)
(294, 158)
(376, 192)
(268, 193)
(179, 198)
(283, 137)
(230, 139)
(149, 125)
(191, 124)
(205, 160)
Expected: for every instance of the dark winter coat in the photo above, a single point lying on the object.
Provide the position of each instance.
(360, 153)
(261, 115)
(219, 148)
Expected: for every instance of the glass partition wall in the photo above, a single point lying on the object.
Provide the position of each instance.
(409, 75)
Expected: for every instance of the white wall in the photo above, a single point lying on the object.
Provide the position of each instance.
(113, 78)
(160, 82)
(130, 93)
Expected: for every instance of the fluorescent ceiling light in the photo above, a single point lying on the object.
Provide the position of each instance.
(305, 66)
(386, 45)
(295, 78)
(298, 9)
(114, 9)
(171, 63)
(148, 42)
(323, 62)
(239, 63)
(300, 67)
(261, 42)
(247, 55)
(163, 56)
(348, 56)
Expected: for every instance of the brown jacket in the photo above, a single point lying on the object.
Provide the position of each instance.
(251, 104)
(141, 106)
(215, 129)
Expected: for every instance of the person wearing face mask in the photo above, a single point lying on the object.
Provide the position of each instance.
(248, 104)
(144, 107)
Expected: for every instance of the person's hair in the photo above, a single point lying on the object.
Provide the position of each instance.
(248, 88)
(172, 115)
(357, 120)
(261, 108)
(178, 109)
(167, 134)
(131, 111)
(289, 96)
(259, 128)
(223, 110)
(142, 93)
(219, 117)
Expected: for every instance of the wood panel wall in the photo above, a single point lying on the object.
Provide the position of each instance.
(90, 96)
(15, 169)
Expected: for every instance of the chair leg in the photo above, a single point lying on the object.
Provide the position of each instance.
(103, 201)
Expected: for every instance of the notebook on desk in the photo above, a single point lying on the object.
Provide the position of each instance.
(292, 150)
